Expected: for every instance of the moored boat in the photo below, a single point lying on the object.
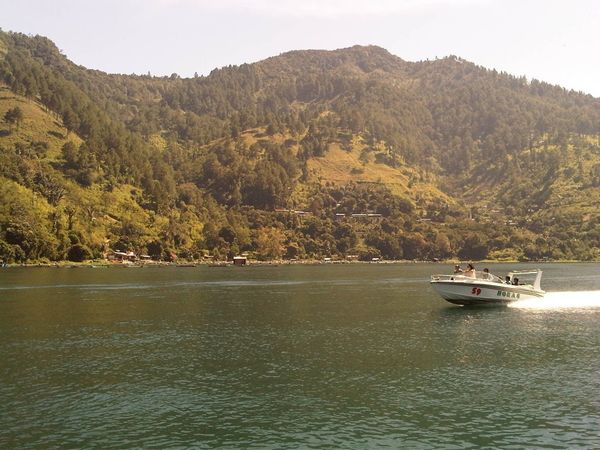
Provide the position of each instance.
(482, 288)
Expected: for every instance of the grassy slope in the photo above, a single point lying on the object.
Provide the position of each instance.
(340, 167)
(38, 125)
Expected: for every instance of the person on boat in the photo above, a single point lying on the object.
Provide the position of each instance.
(457, 269)
(470, 272)
(515, 281)
(507, 279)
(487, 275)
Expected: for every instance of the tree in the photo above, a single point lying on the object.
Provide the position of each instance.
(50, 187)
(70, 120)
(79, 253)
(14, 116)
(414, 246)
(7, 252)
(387, 244)
(227, 233)
(442, 245)
(473, 248)
(70, 154)
(269, 242)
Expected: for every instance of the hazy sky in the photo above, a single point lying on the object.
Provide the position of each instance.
(556, 40)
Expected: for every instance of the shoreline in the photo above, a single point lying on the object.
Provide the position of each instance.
(103, 264)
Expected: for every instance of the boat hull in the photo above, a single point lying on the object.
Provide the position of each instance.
(482, 293)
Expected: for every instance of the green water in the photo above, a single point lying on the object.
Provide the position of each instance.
(348, 356)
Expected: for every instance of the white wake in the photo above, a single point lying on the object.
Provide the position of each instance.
(561, 300)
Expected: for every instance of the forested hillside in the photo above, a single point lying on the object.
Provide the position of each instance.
(308, 154)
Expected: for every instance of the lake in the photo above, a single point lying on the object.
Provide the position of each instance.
(328, 356)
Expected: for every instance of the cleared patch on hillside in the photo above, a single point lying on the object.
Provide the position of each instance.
(38, 125)
(339, 166)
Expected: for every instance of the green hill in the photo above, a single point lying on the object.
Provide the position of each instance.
(383, 157)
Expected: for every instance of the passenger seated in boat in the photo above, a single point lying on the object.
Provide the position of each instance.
(470, 272)
(487, 275)
(457, 269)
(507, 279)
(515, 281)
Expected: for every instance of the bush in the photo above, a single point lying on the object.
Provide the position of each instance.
(78, 253)
(368, 254)
(7, 252)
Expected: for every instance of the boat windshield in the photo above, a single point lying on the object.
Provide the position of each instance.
(480, 275)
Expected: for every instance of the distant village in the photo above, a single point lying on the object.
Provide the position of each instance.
(337, 215)
(480, 215)
(131, 258)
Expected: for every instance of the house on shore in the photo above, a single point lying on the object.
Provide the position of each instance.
(240, 260)
(114, 255)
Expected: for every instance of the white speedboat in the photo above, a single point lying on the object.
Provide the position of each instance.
(487, 289)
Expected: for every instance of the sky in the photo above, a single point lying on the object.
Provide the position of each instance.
(556, 41)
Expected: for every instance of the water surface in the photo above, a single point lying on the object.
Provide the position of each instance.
(348, 356)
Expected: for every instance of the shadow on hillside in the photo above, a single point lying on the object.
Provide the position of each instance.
(56, 134)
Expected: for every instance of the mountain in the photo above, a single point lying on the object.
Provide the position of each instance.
(306, 154)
